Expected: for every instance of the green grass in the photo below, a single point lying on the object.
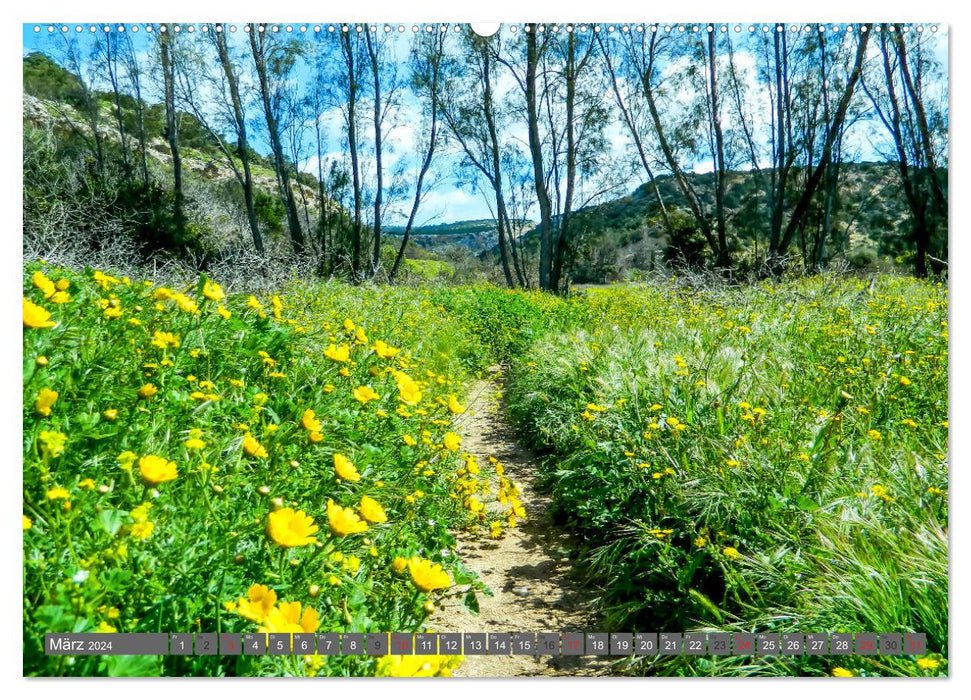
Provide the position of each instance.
(762, 458)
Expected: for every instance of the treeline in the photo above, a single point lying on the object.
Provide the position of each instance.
(530, 119)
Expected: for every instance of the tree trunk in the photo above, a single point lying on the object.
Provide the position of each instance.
(375, 73)
(171, 131)
(352, 147)
(724, 260)
(242, 144)
(539, 173)
(283, 171)
(796, 219)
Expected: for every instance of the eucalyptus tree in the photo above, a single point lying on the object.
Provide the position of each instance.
(274, 61)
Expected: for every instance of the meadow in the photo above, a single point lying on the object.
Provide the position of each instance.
(769, 457)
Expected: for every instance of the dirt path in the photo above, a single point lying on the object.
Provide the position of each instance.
(527, 570)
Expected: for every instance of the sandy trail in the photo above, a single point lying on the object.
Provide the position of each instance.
(528, 570)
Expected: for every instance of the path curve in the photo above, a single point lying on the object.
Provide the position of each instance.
(528, 569)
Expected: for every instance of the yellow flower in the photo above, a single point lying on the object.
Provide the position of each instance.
(57, 493)
(289, 528)
(452, 441)
(904, 381)
(45, 399)
(52, 443)
(212, 291)
(28, 523)
(147, 391)
(86, 484)
(874, 434)
(315, 437)
(700, 542)
(310, 422)
(344, 521)
(336, 353)
(454, 406)
(253, 448)
(185, 303)
(142, 531)
(109, 414)
(495, 530)
(384, 351)
(194, 443)
(840, 672)
(257, 605)
(44, 284)
(731, 553)
(345, 468)
(156, 470)
(105, 628)
(365, 394)
(349, 325)
(286, 618)
(408, 440)
(224, 312)
(36, 316)
(408, 389)
(416, 666)
(428, 576)
(372, 511)
(927, 664)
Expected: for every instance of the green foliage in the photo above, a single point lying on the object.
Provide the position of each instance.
(220, 387)
(772, 458)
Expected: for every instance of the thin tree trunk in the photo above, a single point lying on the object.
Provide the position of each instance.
(283, 171)
(539, 174)
(352, 147)
(242, 144)
(375, 72)
(724, 260)
(171, 131)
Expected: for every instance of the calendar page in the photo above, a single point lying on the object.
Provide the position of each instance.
(525, 349)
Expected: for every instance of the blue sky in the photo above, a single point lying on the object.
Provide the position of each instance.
(452, 200)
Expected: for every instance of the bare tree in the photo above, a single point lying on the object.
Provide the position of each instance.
(165, 42)
(282, 57)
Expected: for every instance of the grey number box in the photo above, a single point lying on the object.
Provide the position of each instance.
(254, 644)
(523, 643)
(645, 643)
(207, 644)
(891, 644)
(450, 643)
(743, 644)
(230, 644)
(597, 643)
(549, 644)
(303, 643)
(792, 644)
(669, 643)
(915, 644)
(841, 644)
(768, 644)
(352, 644)
(329, 644)
(278, 644)
(500, 643)
(719, 643)
(621, 643)
(572, 643)
(475, 643)
(402, 643)
(180, 644)
(378, 643)
(866, 644)
(694, 643)
(817, 644)
(426, 643)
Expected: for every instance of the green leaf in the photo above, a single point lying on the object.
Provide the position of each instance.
(471, 602)
(111, 520)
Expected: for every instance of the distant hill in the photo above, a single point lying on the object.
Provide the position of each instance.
(477, 234)
(870, 220)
